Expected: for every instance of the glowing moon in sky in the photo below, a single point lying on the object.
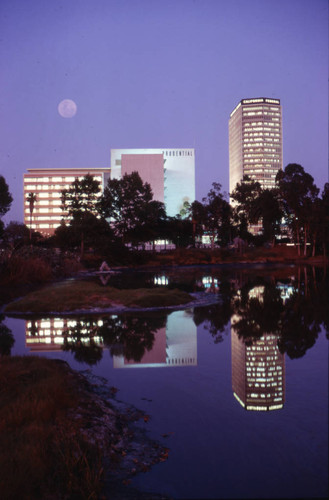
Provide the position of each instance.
(67, 108)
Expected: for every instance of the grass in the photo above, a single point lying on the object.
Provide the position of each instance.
(42, 455)
(69, 296)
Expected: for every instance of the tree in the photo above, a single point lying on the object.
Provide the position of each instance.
(245, 195)
(214, 215)
(271, 213)
(5, 197)
(82, 196)
(324, 231)
(128, 203)
(178, 230)
(298, 193)
(5, 200)
(31, 199)
(318, 221)
(255, 204)
(152, 223)
(247, 209)
(94, 231)
(80, 202)
(199, 219)
(7, 339)
(15, 234)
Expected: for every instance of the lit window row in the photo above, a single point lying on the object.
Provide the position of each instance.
(261, 125)
(44, 226)
(46, 187)
(260, 134)
(47, 210)
(254, 158)
(47, 217)
(57, 202)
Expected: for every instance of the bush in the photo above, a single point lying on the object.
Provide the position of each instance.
(31, 270)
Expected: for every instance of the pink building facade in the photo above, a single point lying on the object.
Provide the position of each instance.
(149, 167)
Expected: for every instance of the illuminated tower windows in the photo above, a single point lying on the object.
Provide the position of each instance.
(255, 141)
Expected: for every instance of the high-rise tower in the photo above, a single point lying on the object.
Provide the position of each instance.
(255, 141)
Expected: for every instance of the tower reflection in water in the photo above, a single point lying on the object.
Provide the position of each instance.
(174, 344)
(258, 368)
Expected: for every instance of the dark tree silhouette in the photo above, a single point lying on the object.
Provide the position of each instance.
(5, 200)
(213, 216)
(80, 206)
(80, 340)
(298, 193)
(7, 340)
(131, 335)
(216, 317)
(128, 203)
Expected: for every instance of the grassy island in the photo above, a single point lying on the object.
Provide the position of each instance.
(70, 296)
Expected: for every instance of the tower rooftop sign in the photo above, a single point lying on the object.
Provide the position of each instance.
(256, 100)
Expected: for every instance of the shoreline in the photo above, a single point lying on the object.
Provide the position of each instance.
(201, 299)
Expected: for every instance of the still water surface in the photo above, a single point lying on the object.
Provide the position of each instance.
(237, 390)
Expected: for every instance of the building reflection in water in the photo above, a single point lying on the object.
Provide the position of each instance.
(161, 280)
(174, 345)
(258, 368)
(210, 283)
(258, 373)
(45, 334)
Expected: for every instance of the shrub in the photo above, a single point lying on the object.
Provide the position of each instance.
(30, 270)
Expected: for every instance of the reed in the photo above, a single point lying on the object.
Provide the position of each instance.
(42, 455)
(26, 270)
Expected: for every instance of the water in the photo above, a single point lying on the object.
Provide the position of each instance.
(184, 367)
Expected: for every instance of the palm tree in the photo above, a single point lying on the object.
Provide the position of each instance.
(31, 198)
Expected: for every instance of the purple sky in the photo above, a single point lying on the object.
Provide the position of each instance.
(157, 73)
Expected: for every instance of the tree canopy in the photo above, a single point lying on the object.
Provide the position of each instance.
(82, 196)
(80, 204)
(298, 194)
(5, 200)
(128, 204)
(213, 215)
(5, 197)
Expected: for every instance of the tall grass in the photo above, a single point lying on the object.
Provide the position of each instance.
(42, 454)
(27, 270)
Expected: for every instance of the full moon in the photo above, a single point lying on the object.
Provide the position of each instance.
(67, 108)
